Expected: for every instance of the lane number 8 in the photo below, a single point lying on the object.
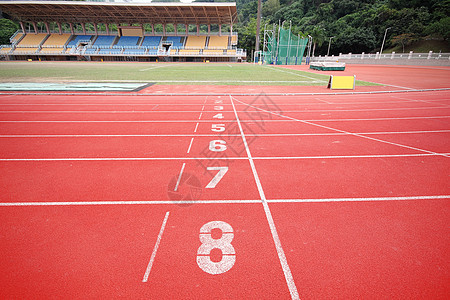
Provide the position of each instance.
(223, 244)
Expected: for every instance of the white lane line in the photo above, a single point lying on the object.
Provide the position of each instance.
(179, 177)
(377, 119)
(396, 86)
(196, 127)
(348, 156)
(116, 159)
(190, 145)
(296, 74)
(192, 111)
(131, 202)
(424, 101)
(165, 202)
(226, 121)
(158, 241)
(318, 99)
(106, 135)
(349, 133)
(209, 135)
(201, 113)
(222, 158)
(400, 198)
(281, 256)
(152, 68)
(237, 105)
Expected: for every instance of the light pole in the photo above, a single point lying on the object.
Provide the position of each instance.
(382, 45)
(329, 44)
(308, 57)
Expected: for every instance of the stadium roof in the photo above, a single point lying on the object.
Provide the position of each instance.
(107, 12)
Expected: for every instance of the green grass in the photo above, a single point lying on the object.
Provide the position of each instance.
(160, 73)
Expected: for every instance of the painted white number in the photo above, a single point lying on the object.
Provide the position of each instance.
(218, 101)
(222, 171)
(218, 127)
(223, 244)
(218, 116)
(217, 145)
(218, 107)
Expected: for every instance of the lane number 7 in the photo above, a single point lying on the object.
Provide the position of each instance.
(222, 170)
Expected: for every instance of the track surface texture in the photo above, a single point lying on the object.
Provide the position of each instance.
(227, 196)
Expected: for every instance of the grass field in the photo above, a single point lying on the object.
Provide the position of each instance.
(160, 73)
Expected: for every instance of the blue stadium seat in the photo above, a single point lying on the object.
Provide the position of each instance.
(91, 51)
(151, 42)
(128, 42)
(176, 41)
(104, 41)
(135, 51)
(153, 52)
(79, 38)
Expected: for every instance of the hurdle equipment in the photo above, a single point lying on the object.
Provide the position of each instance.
(327, 66)
(342, 82)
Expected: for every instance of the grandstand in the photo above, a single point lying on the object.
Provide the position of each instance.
(139, 40)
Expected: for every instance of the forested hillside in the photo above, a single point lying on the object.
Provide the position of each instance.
(356, 25)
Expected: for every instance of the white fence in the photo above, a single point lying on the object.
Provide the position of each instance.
(393, 55)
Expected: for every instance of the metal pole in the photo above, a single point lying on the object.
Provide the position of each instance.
(289, 42)
(298, 46)
(264, 42)
(329, 44)
(258, 25)
(382, 45)
(308, 58)
(278, 41)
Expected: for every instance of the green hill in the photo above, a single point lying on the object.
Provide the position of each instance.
(356, 25)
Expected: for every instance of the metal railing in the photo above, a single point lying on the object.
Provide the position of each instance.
(393, 55)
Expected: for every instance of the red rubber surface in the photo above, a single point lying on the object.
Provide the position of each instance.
(355, 187)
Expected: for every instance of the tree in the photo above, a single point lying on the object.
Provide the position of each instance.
(318, 35)
(270, 7)
(440, 28)
(7, 29)
(404, 39)
(355, 40)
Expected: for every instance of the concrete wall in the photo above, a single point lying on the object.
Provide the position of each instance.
(398, 61)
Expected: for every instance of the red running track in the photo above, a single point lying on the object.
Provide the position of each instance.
(318, 197)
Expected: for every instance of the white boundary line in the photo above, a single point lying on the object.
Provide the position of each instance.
(400, 198)
(125, 202)
(222, 158)
(154, 67)
(223, 121)
(300, 75)
(166, 202)
(212, 111)
(424, 101)
(116, 158)
(158, 241)
(221, 94)
(101, 103)
(347, 132)
(282, 257)
(214, 135)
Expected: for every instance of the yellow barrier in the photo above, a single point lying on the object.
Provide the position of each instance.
(342, 82)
